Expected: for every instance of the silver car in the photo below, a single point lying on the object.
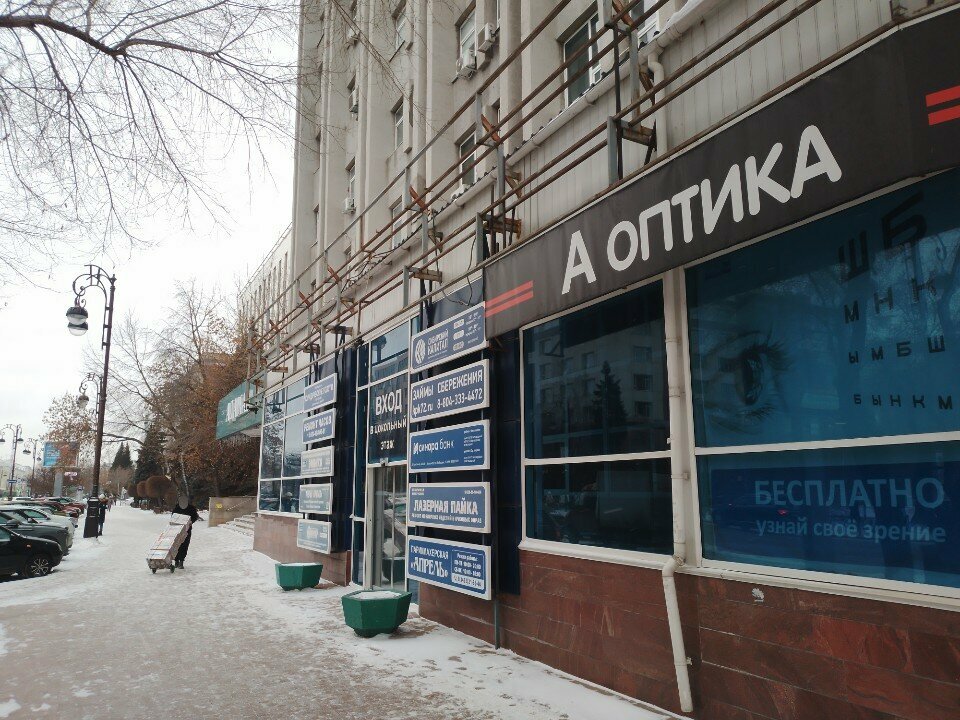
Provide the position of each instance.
(42, 514)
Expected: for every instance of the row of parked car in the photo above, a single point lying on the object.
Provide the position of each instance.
(36, 534)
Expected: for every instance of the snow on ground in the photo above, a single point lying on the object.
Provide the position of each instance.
(102, 637)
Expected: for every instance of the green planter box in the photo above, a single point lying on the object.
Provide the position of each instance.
(297, 576)
(371, 612)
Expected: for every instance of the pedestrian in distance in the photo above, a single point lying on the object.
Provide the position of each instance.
(102, 516)
(185, 507)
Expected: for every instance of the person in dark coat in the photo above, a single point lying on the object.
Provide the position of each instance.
(185, 507)
(103, 511)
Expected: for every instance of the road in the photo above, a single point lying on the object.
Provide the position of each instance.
(102, 637)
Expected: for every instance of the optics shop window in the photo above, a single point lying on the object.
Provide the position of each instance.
(843, 331)
(595, 418)
(584, 70)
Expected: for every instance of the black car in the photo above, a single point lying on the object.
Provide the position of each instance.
(28, 556)
(32, 528)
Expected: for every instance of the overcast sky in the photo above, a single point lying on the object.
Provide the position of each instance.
(40, 359)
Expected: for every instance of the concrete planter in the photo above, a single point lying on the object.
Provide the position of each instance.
(371, 612)
(297, 576)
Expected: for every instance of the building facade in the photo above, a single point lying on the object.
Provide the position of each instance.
(622, 335)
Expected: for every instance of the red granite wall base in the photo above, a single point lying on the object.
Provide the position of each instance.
(276, 537)
(759, 652)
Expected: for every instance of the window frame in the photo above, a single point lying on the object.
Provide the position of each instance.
(399, 27)
(594, 70)
(470, 18)
(398, 125)
(881, 589)
(468, 138)
(352, 180)
(636, 558)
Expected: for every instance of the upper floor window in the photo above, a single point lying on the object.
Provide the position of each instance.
(351, 180)
(466, 36)
(397, 115)
(396, 220)
(399, 28)
(466, 149)
(584, 69)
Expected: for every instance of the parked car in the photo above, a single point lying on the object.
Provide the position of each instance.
(33, 529)
(28, 556)
(42, 515)
(59, 508)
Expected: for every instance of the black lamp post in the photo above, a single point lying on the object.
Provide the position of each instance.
(34, 447)
(17, 438)
(77, 324)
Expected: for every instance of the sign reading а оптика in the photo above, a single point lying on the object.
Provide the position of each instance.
(317, 463)
(463, 333)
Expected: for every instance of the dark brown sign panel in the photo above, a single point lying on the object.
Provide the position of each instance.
(889, 113)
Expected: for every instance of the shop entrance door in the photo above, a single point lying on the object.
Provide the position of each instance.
(388, 553)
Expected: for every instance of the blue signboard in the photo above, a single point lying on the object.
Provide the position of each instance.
(387, 422)
(316, 498)
(457, 506)
(319, 427)
(463, 333)
(453, 392)
(51, 454)
(893, 520)
(452, 565)
(322, 392)
(455, 447)
(317, 463)
(313, 535)
(60, 454)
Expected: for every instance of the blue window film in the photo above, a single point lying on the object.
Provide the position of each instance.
(270, 495)
(624, 505)
(888, 512)
(271, 451)
(290, 495)
(273, 408)
(294, 393)
(293, 445)
(847, 327)
(388, 353)
(595, 379)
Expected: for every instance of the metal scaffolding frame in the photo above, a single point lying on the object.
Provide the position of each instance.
(424, 207)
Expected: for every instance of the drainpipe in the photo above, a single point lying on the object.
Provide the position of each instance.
(678, 479)
(660, 116)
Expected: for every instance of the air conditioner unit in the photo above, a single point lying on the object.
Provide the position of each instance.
(486, 37)
(353, 34)
(467, 63)
(353, 103)
(349, 205)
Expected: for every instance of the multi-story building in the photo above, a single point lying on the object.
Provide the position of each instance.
(621, 334)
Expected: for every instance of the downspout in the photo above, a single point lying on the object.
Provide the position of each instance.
(678, 480)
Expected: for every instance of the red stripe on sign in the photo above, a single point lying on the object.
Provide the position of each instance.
(942, 116)
(942, 96)
(510, 294)
(509, 304)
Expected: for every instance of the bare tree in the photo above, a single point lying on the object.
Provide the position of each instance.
(105, 109)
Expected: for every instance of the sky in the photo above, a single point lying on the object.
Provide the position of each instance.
(40, 359)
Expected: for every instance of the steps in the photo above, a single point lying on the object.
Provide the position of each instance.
(242, 524)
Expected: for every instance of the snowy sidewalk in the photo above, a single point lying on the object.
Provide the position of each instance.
(102, 637)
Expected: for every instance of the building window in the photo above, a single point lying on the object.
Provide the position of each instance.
(399, 28)
(466, 148)
(642, 381)
(280, 448)
(352, 180)
(600, 495)
(396, 221)
(840, 335)
(466, 36)
(584, 70)
(397, 115)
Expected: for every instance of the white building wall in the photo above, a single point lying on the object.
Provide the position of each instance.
(422, 75)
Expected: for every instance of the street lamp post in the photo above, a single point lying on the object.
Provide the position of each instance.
(17, 438)
(95, 276)
(34, 446)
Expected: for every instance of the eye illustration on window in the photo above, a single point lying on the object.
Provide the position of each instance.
(744, 387)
